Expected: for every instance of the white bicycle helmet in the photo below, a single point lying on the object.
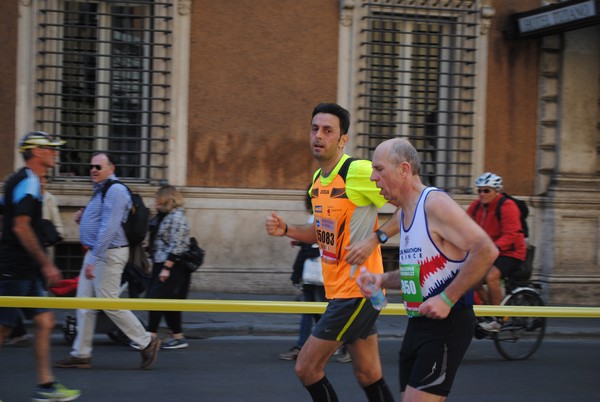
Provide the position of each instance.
(489, 179)
(35, 139)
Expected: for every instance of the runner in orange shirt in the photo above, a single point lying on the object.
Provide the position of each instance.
(345, 204)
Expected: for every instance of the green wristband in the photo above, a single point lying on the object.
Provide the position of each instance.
(446, 299)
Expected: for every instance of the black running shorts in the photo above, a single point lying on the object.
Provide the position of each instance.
(507, 265)
(433, 349)
(347, 320)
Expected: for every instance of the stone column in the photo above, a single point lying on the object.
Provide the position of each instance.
(570, 235)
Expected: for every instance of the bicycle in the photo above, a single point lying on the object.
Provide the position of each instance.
(518, 337)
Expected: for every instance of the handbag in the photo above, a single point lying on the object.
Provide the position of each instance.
(193, 257)
(312, 274)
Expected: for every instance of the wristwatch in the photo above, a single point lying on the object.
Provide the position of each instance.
(381, 236)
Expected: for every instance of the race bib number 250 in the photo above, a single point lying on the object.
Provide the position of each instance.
(411, 288)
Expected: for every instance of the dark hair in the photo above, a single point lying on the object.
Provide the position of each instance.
(336, 110)
(27, 154)
(110, 157)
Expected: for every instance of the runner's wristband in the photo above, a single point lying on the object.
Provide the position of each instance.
(446, 299)
(285, 231)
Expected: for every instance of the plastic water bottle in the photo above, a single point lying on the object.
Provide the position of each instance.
(378, 299)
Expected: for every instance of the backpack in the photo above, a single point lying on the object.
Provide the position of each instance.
(136, 225)
(523, 209)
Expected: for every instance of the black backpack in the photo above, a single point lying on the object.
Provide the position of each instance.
(136, 225)
(523, 209)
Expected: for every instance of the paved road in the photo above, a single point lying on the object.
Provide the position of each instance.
(246, 368)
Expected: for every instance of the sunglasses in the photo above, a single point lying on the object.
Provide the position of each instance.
(97, 167)
(484, 190)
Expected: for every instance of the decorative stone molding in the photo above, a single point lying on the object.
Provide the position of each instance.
(346, 12)
(184, 7)
(26, 3)
(487, 13)
(548, 109)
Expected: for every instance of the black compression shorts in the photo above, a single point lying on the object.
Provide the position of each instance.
(507, 265)
(433, 349)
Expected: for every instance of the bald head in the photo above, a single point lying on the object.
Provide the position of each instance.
(398, 150)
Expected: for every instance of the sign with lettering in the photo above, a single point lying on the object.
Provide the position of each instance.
(555, 18)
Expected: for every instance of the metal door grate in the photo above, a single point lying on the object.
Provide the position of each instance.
(103, 83)
(417, 81)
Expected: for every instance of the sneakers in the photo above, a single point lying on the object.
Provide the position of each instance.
(149, 353)
(22, 340)
(57, 392)
(74, 362)
(343, 356)
(171, 343)
(175, 343)
(490, 326)
(292, 354)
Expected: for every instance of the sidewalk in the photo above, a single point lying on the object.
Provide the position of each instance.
(206, 325)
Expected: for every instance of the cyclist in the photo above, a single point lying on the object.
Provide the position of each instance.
(507, 235)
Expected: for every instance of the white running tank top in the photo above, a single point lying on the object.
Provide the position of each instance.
(424, 270)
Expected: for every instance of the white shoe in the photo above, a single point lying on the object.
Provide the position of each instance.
(344, 358)
(490, 326)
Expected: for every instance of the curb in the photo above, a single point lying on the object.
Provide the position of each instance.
(203, 331)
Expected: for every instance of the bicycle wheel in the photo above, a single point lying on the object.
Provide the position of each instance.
(520, 337)
(69, 329)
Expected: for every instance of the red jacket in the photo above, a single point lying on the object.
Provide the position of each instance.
(507, 235)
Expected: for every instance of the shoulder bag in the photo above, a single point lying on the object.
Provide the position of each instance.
(193, 258)
(313, 271)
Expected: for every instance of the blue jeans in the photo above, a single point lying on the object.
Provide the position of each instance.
(310, 293)
(9, 316)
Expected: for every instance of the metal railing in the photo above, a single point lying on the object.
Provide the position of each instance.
(417, 81)
(103, 73)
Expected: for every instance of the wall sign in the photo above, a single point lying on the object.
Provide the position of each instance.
(560, 17)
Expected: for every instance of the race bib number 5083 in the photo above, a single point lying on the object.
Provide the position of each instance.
(325, 237)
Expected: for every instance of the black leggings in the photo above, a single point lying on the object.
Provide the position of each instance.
(176, 287)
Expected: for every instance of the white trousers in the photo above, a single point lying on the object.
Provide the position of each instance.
(106, 283)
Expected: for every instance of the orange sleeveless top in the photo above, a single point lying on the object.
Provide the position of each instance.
(340, 221)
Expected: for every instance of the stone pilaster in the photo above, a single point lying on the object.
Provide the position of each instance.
(568, 176)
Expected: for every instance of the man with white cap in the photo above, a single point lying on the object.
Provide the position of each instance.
(23, 260)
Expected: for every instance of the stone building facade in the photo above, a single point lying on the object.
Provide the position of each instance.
(233, 87)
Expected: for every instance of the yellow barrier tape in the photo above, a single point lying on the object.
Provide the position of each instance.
(281, 307)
